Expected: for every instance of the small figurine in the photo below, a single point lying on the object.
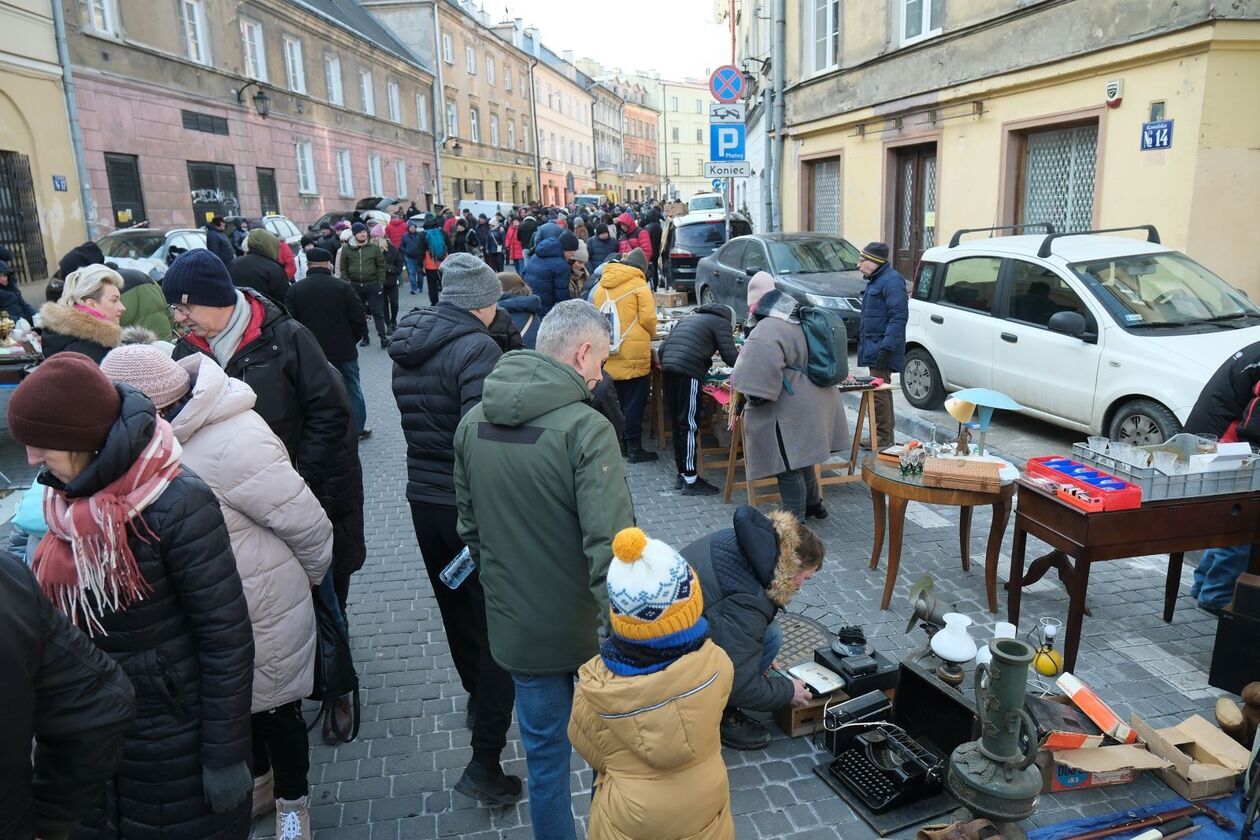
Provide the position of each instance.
(964, 440)
(913, 458)
(6, 330)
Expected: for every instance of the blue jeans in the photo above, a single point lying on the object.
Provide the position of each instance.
(350, 375)
(544, 703)
(771, 643)
(519, 265)
(414, 277)
(1217, 572)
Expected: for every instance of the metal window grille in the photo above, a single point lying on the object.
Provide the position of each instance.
(210, 124)
(1058, 175)
(908, 167)
(929, 202)
(19, 217)
(826, 196)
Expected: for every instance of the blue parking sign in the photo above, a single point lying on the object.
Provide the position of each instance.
(726, 141)
(1157, 135)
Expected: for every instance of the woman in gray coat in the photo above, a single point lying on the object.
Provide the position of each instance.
(790, 424)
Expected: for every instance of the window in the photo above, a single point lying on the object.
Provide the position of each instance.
(673, 103)
(676, 166)
(494, 130)
(345, 177)
(511, 128)
(674, 132)
(400, 176)
(210, 124)
(294, 70)
(268, 197)
(367, 95)
(395, 104)
(452, 119)
(572, 156)
(920, 19)
(507, 77)
(1058, 172)
(103, 15)
(305, 167)
(192, 22)
(332, 79)
(490, 69)
(448, 50)
(699, 135)
(753, 258)
(550, 101)
(474, 125)
(822, 31)
(699, 106)
(422, 112)
(255, 53)
(542, 141)
(470, 60)
(1036, 293)
(971, 283)
(375, 187)
(700, 166)
(553, 145)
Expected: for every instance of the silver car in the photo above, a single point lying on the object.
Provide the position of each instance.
(148, 249)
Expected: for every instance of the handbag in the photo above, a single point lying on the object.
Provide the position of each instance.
(335, 676)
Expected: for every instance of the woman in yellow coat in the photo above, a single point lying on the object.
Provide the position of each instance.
(624, 284)
(646, 711)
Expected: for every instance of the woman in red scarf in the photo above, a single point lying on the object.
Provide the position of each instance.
(138, 556)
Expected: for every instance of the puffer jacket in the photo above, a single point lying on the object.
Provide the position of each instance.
(12, 302)
(634, 237)
(525, 234)
(654, 745)
(442, 356)
(261, 273)
(361, 263)
(394, 232)
(689, 348)
(218, 244)
(885, 310)
(410, 243)
(281, 538)
(747, 574)
(599, 251)
(1231, 395)
(547, 274)
(512, 243)
(636, 310)
(187, 648)
(526, 312)
(146, 305)
(65, 328)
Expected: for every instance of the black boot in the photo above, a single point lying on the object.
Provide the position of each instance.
(486, 782)
(364, 342)
(636, 454)
(740, 732)
(815, 511)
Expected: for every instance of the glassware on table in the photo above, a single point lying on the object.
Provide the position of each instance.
(1206, 444)
(1165, 462)
(1098, 444)
(1120, 450)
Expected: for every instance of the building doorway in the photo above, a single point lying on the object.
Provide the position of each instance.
(125, 192)
(19, 218)
(914, 229)
(213, 190)
(822, 179)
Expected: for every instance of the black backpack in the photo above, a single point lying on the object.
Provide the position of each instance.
(827, 344)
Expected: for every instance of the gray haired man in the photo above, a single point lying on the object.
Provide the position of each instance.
(541, 490)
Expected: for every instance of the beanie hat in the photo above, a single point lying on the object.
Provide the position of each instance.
(758, 286)
(652, 592)
(876, 252)
(148, 370)
(377, 231)
(637, 259)
(198, 277)
(4, 267)
(601, 228)
(342, 225)
(263, 242)
(39, 410)
(318, 255)
(89, 253)
(582, 254)
(358, 227)
(569, 241)
(468, 283)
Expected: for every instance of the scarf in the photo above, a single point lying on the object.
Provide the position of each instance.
(627, 658)
(95, 313)
(224, 345)
(84, 563)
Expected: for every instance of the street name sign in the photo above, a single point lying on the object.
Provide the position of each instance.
(727, 169)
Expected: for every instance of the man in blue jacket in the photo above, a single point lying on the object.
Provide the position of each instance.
(547, 272)
(217, 241)
(882, 330)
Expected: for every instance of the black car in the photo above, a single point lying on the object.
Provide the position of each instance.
(689, 238)
(814, 268)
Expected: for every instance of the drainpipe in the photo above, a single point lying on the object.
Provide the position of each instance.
(439, 109)
(777, 59)
(767, 194)
(533, 115)
(72, 114)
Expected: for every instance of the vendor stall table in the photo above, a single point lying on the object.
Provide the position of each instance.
(891, 489)
(1174, 526)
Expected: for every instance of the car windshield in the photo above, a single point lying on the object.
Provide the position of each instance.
(708, 202)
(132, 247)
(705, 233)
(813, 256)
(1163, 290)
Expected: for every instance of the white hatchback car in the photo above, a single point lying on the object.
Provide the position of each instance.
(1103, 334)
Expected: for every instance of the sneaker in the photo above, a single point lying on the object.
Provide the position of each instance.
(293, 819)
(815, 511)
(639, 455)
(700, 487)
(489, 784)
(364, 342)
(740, 732)
(365, 434)
(264, 795)
(679, 481)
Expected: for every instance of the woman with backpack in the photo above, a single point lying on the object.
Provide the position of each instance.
(625, 299)
(433, 249)
(790, 424)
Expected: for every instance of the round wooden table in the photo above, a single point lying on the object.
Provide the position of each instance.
(891, 492)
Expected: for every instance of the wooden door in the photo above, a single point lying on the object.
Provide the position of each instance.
(915, 220)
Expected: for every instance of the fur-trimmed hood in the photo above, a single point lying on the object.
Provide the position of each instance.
(66, 320)
(783, 588)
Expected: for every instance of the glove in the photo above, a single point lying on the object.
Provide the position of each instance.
(883, 360)
(226, 787)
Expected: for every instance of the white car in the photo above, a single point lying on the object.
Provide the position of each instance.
(149, 249)
(705, 201)
(1103, 334)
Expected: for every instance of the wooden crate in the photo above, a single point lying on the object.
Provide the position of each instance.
(962, 474)
(670, 300)
(808, 718)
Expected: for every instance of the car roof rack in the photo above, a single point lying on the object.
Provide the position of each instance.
(1152, 235)
(954, 240)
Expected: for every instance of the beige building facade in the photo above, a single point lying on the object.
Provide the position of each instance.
(684, 142)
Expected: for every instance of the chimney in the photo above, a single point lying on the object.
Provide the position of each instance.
(518, 23)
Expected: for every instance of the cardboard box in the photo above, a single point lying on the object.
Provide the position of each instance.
(1204, 761)
(670, 300)
(1088, 701)
(674, 208)
(1063, 770)
(1070, 729)
(808, 718)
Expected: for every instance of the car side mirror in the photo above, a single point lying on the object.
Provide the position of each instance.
(1068, 323)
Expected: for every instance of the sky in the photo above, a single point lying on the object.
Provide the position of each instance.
(676, 38)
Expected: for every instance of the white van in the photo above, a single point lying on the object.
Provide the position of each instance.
(1102, 334)
(479, 206)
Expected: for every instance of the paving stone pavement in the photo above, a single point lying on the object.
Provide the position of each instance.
(395, 781)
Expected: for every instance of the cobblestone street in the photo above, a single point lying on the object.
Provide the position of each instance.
(395, 780)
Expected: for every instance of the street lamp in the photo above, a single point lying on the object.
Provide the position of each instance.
(548, 165)
(458, 149)
(262, 102)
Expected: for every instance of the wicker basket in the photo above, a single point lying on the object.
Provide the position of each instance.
(963, 474)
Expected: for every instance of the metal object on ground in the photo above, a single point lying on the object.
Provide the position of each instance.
(1161, 818)
(993, 777)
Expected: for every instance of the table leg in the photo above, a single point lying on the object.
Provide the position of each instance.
(857, 434)
(1171, 583)
(896, 524)
(1077, 583)
(870, 415)
(964, 536)
(880, 502)
(1001, 512)
(1015, 587)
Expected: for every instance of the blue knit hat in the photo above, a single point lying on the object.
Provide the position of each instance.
(198, 277)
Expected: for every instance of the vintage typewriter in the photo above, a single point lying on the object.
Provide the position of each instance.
(886, 768)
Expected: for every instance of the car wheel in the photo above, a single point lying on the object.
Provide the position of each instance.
(707, 298)
(921, 380)
(1143, 423)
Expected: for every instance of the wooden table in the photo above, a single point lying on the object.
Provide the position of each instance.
(892, 490)
(1079, 539)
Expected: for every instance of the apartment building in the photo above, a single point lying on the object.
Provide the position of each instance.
(609, 150)
(684, 141)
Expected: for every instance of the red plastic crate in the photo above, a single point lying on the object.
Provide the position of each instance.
(1126, 497)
